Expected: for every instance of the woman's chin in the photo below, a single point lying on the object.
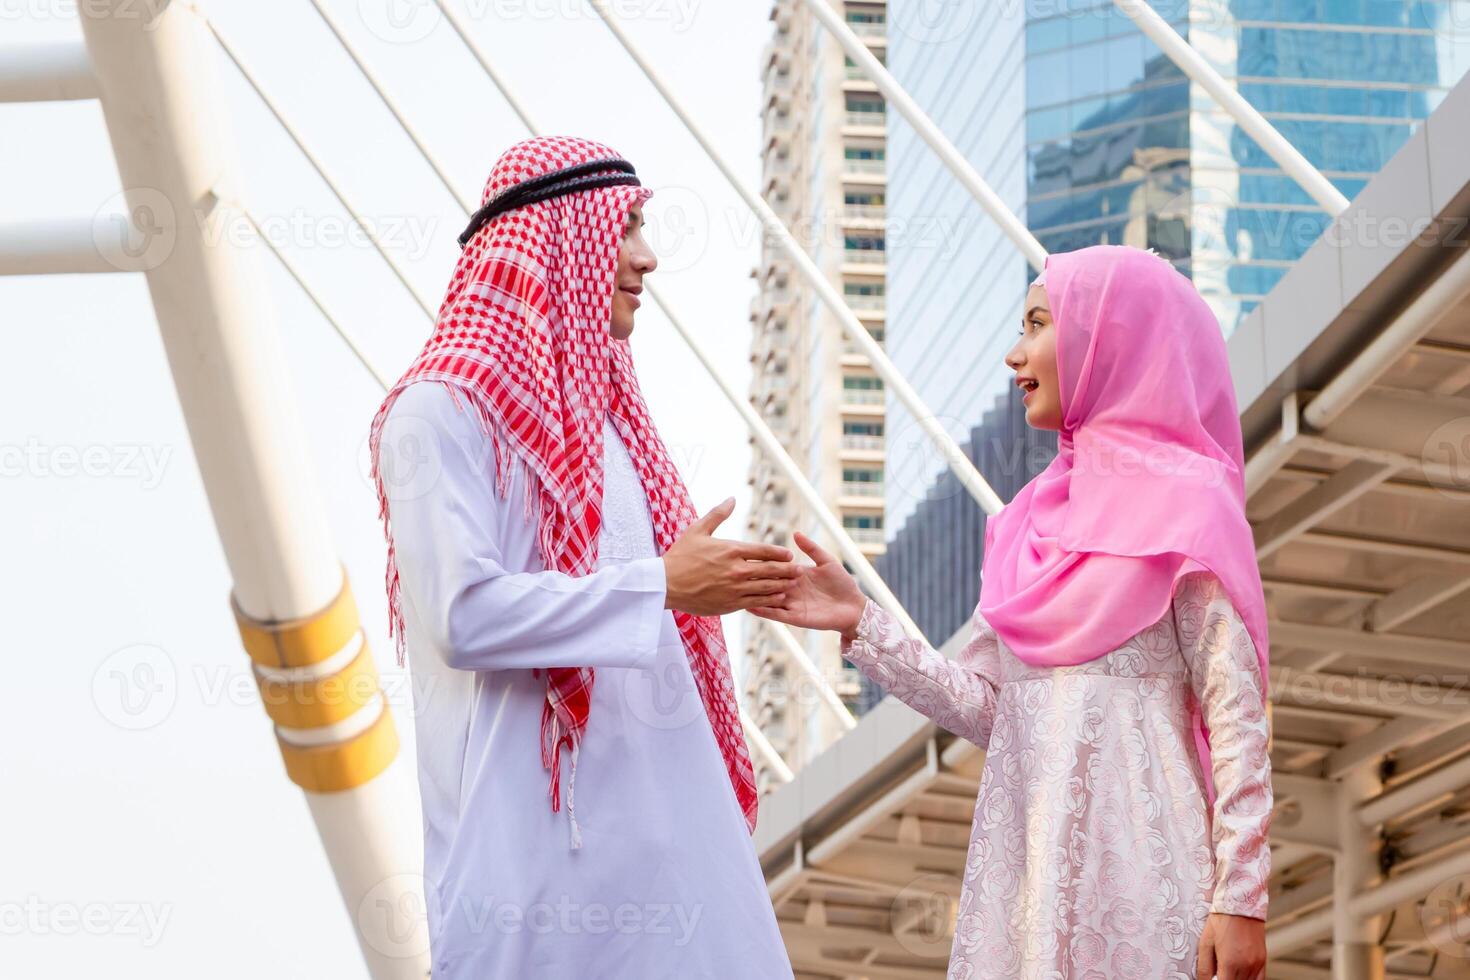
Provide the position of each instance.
(1039, 417)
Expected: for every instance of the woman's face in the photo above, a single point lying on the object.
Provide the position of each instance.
(635, 260)
(1034, 359)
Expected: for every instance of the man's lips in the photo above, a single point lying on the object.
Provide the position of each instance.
(632, 294)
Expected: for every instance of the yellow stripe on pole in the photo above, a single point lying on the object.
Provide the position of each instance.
(299, 642)
(343, 765)
(322, 700)
(313, 703)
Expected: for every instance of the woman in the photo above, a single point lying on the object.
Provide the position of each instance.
(1116, 670)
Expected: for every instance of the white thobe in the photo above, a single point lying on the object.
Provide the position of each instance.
(666, 883)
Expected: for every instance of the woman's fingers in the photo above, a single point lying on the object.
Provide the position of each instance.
(764, 587)
(814, 551)
(757, 551)
(771, 569)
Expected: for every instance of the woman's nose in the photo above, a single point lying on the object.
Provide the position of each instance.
(1014, 358)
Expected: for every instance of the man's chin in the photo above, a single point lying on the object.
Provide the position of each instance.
(621, 331)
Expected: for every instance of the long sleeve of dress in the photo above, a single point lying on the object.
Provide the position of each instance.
(479, 615)
(1225, 674)
(958, 695)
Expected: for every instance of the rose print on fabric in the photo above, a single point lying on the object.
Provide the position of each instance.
(1093, 854)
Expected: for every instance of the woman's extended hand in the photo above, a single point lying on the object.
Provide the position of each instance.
(1232, 947)
(822, 597)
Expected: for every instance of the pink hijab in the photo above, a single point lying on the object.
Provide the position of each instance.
(1148, 482)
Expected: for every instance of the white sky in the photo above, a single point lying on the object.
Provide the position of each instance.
(170, 843)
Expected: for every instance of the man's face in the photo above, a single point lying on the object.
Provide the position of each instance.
(635, 260)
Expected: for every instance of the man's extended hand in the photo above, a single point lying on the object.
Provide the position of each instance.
(711, 576)
(1232, 947)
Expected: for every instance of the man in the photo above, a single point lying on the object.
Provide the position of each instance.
(587, 793)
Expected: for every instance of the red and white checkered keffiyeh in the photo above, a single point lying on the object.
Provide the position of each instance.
(523, 334)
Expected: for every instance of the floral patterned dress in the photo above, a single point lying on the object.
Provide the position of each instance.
(1093, 855)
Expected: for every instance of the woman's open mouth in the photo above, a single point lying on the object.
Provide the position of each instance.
(1027, 386)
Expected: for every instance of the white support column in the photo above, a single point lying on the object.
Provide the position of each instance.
(46, 73)
(1357, 953)
(156, 81)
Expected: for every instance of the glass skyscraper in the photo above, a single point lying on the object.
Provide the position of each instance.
(1091, 135)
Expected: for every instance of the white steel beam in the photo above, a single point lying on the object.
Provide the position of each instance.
(161, 108)
(949, 450)
(58, 72)
(70, 246)
(316, 164)
(764, 748)
(1420, 595)
(1334, 493)
(1357, 953)
(1203, 74)
(1406, 887)
(1450, 289)
(1444, 781)
(898, 97)
(1418, 649)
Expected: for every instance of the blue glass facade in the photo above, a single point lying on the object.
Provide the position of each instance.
(1121, 147)
(1091, 135)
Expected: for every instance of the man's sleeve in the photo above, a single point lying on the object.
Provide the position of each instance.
(445, 517)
